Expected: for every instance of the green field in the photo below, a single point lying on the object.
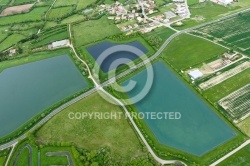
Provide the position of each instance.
(50, 36)
(92, 31)
(11, 40)
(2, 37)
(240, 158)
(92, 134)
(58, 13)
(65, 3)
(208, 11)
(225, 88)
(160, 3)
(4, 2)
(2, 160)
(192, 2)
(24, 158)
(185, 51)
(158, 36)
(20, 2)
(34, 15)
(245, 126)
(233, 32)
(73, 18)
(80, 4)
(83, 4)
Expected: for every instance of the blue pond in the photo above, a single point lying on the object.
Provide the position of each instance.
(198, 131)
(97, 50)
(28, 89)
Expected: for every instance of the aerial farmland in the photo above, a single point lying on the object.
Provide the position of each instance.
(124, 82)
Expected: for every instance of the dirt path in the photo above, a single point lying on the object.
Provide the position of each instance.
(20, 152)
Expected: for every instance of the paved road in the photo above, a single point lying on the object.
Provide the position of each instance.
(231, 153)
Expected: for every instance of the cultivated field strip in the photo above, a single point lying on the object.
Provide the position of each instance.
(224, 76)
(237, 104)
(233, 32)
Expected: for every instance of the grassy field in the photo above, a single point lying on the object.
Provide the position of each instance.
(19, 2)
(65, 3)
(23, 158)
(80, 4)
(160, 3)
(4, 2)
(192, 2)
(50, 36)
(11, 40)
(2, 160)
(185, 51)
(84, 4)
(92, 134)
(93, 31)
(73, 18)
(34, 15)
(225, 88)
(208, 11)
(25, 26)
(241, 158)
(160, 34)
(245, 126)
(58, 13)
(2, 37)
(234, 35)
(32, 58)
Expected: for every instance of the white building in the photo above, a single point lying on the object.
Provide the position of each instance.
(224, 2)
(60, 43)
(195, 74)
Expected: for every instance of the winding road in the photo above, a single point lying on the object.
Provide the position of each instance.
(100, 88)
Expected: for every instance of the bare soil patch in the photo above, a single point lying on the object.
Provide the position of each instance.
(16, 9)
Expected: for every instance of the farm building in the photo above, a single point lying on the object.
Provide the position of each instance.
(195, 74)
(58, 44)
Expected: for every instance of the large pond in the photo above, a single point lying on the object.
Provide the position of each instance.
(96, 50)
(199, 129)
(28, 89)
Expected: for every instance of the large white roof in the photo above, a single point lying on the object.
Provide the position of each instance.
(226, 1)
(195, 74)
(60, 43)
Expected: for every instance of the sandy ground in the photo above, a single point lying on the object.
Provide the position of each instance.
(16, 9)
(224, 76)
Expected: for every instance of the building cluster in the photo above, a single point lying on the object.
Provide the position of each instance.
(178, 8)
(214, 66)
(181, 8)
(130, 18)
(119, 12)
